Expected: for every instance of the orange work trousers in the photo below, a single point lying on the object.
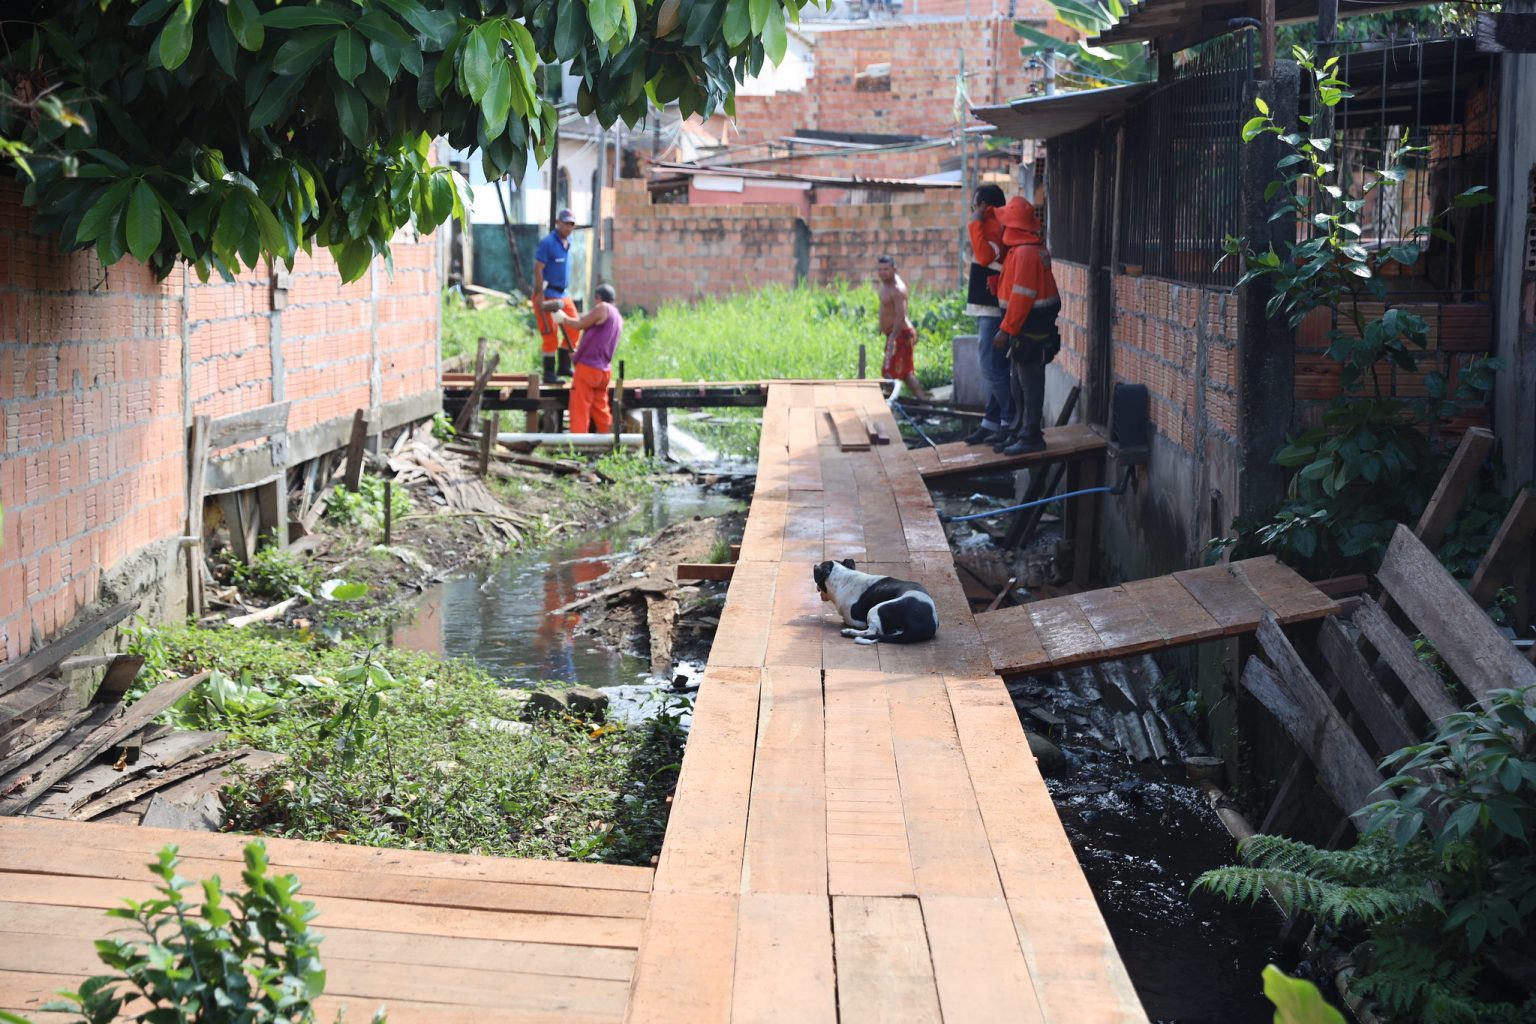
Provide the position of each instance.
(551, 336)
(589, 400)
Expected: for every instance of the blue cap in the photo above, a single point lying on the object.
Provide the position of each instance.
(565, 216)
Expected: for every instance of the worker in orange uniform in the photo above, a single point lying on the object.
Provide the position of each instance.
(551, 278)
(987, 253)
(600, 327)
(1031, 304)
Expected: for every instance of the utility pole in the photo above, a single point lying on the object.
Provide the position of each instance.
(595, 247)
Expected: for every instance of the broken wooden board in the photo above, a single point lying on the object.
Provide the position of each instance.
(1455, 484)
(56, 650)
(1461, 632)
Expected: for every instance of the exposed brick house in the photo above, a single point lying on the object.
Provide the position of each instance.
(102, 371)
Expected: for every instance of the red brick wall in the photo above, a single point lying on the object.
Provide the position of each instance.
(94, 403)
(923, 236)
(669, 252)
(924, 59)
(1157, 327)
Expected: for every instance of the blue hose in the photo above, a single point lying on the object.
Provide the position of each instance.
(913, 423)
(1029, 504)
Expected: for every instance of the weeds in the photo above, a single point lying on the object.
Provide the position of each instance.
(395, 748)
(509, 329)
(276, 573)
(365, 506)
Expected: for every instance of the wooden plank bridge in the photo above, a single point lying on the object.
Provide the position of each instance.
(859, 833)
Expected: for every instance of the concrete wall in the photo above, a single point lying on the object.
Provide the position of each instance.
(668, 252)
(102, 369)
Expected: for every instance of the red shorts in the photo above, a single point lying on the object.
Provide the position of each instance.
(898, 355)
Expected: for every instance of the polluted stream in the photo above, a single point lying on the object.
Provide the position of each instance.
(499, 615)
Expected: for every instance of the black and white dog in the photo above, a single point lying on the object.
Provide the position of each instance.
(877, 608)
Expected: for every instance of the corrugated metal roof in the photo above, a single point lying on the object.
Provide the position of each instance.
(1045, 117)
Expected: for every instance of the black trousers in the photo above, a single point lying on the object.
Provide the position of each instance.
(1027, 363)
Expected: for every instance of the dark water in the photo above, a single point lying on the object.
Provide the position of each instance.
(1143, 834)
(498, 616)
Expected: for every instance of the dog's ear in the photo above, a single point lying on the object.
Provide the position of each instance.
(820, 573)
(848, 563)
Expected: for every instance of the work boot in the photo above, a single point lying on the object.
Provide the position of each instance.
(565, 363)
(549, 370)
(981, 435)
(1025, 445)
(1002, 440)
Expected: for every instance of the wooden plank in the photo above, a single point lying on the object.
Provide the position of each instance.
(119, 676)
(160, 753)
(786, 844)
(1511, 544)
(296, 855)
(127, 794)
(1074, 442)
(56, 650)
(1068, 636)
(383, 946)
(883, 968)
(263, 421)
(564, 929)
(1012, 641)
(1383, 721)
(1293, 696)
(1175, 613)
(1225, 596)
(706, 833)
(1463, 635)
(471, 405)
(353, 474)
(196, 481)
(718, 572)
(852, 434)
(22, 706)
(1288, 596)
(784, 966)
(686, 966)
(1084, 511)
(1456, 483)
(1421, 681)
(144, 711)
(866, 837)
(1119, 620)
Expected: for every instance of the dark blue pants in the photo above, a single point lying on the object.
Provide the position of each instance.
(1000, 412)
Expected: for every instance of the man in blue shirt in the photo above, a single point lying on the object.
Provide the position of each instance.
(551, 278)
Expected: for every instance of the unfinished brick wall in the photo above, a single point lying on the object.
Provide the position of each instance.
(671, 252)
(664, 253)
(923, 236)
(1181, 342)
(94, 403)
(917, 99)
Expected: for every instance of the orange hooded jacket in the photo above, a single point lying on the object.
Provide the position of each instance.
(1028, 289)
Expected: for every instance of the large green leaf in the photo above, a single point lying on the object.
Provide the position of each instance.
(274, 100)
(351, 53)
(759, 12)
(245, 23)
(570, 28)
(738, 22)
(143, 224)
(605, 17)
(775, 39)
(292, 15)
(301, 54)
(351, 114)
(496, 104)
(176, 39)
(481, 54)
(100, 214)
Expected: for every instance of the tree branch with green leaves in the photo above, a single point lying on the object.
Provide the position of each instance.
(223, 132)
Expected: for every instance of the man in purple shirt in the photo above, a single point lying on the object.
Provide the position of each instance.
(600, 327)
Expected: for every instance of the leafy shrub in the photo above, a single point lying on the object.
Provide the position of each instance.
(251, 963)
(1370, 464)
(1441, 883)
(276, 573)
(1297, 1000)
(365, 506)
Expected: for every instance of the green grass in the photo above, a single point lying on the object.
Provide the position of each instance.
(785, 332)
(773, 333)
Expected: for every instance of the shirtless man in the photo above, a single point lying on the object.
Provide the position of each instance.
(900, 336)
